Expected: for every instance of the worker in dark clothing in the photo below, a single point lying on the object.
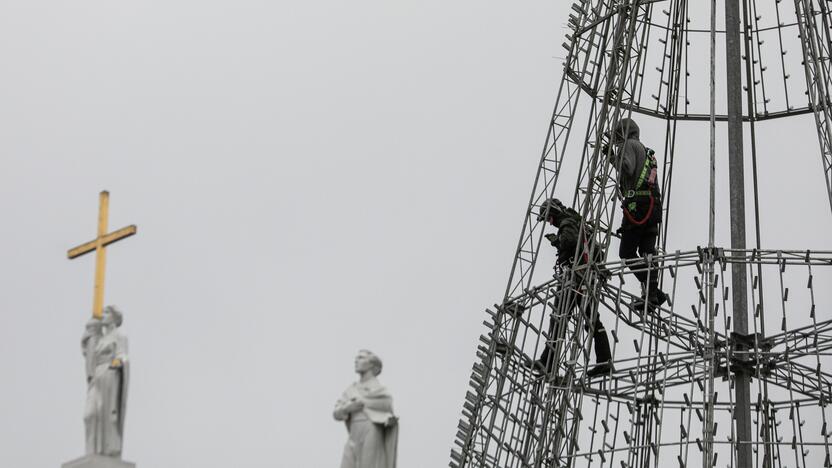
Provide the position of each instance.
(567, 242)
(642, 207)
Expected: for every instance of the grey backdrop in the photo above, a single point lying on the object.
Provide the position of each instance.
(308, 178)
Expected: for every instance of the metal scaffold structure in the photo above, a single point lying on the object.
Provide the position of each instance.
(733, 369)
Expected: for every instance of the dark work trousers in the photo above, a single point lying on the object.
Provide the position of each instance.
(599, 336)
(636, 242)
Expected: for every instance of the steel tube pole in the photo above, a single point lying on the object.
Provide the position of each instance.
(733, 59)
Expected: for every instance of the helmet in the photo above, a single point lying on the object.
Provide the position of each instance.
(551, 208)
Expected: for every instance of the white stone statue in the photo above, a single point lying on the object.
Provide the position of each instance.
(108, 376)
(367, 408)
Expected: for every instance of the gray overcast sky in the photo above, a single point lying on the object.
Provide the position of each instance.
(309, 179)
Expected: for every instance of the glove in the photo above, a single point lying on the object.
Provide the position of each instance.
(553, 239)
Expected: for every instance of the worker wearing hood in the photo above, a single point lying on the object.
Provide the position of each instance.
(642, 207)
(569, 242)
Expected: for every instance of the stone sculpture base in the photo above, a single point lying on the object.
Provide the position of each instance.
(98, 461)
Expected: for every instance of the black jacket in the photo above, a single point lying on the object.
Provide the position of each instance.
(628, 158)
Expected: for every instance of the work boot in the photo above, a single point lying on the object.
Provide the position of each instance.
(656, 297)
(547, 367)
(602, 368)
(638, 305)
(545, 364)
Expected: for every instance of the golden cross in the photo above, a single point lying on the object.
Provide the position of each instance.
(97, 245)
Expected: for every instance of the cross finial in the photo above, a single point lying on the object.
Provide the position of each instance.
(102, 240)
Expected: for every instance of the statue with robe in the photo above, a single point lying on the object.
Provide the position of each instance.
(367, 409)
(108, 375)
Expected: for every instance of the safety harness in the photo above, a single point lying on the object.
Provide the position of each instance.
(645, 192)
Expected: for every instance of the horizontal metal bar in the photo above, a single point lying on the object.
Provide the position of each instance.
(106, 240)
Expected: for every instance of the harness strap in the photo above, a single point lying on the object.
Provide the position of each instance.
(646, 217)
(648, 165)
(644, 171)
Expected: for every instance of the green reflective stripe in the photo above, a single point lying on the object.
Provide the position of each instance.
(637, 193)
(632, 206)
(644, 171)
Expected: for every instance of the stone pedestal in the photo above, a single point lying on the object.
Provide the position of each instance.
(98, 461)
